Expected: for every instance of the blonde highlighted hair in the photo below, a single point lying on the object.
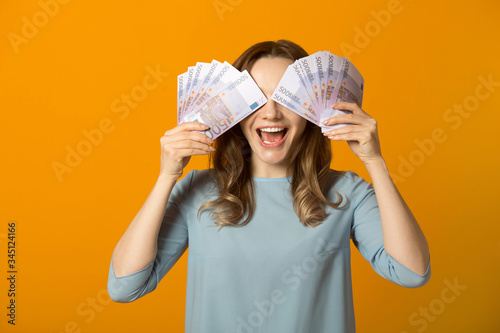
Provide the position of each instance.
(309, 163)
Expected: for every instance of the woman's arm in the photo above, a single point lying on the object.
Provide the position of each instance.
(403, 238)
(138, 246)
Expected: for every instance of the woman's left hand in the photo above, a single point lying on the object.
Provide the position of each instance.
(361, 134)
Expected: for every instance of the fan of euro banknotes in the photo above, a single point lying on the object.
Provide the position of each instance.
(312, 84)
(219, 95)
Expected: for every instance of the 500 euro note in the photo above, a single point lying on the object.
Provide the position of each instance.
(229, 106)
(312, 84)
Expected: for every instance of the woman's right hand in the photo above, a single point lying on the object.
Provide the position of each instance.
(179, 144)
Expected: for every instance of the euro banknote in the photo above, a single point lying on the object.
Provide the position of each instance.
(217, 95)
(312, 84)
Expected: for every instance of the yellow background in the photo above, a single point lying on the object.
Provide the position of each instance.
(63, 80)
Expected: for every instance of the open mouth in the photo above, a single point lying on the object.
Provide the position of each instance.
(272, 135)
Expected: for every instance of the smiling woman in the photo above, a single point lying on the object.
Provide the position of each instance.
(273, 132)
(276, 141)
(279, 260)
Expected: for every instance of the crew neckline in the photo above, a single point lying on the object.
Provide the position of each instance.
(265, 179)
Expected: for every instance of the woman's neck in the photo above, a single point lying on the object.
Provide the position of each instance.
(263, 170)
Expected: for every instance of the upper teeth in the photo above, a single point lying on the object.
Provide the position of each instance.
(272, 129)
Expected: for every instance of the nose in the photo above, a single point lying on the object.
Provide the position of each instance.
(271, 111)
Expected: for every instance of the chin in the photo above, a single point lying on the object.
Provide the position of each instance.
(272, 158)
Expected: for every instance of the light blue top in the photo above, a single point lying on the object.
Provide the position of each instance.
(274, 274)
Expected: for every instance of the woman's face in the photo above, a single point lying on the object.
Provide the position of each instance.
(273, 131)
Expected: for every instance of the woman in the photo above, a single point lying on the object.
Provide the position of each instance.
(269, 226)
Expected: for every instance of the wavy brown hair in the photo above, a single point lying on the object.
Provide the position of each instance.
(309, 164)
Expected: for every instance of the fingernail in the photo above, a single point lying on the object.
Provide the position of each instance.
(204, 126)
(325, 122)
(212, 148)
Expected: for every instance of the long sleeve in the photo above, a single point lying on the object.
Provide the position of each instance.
(172, 243)
(367, 236)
